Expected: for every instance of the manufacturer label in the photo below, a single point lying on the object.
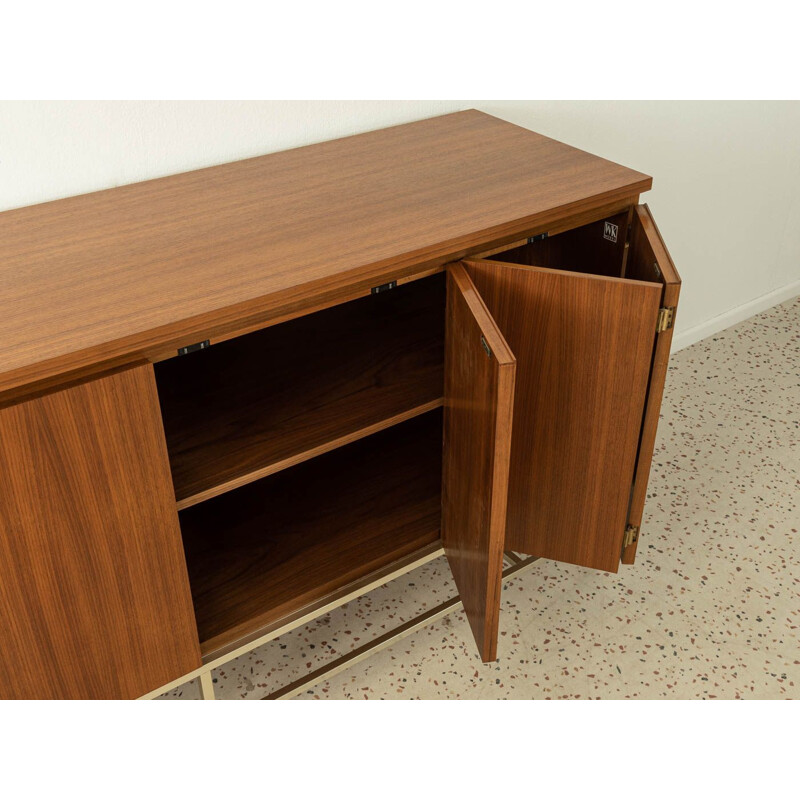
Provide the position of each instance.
(610, 231)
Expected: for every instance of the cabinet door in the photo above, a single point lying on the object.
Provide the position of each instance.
(648, 259)
(94, 593)
(583, 344)
(478, 405)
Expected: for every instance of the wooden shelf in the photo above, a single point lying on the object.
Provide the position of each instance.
(260, 553)
(253, 406)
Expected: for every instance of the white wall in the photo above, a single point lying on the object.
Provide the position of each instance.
(726, 174)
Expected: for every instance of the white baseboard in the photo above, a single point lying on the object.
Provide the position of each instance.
(734, 316)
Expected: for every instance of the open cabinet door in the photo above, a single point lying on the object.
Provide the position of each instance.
(584, 345)
(648, 259)
(478, 405)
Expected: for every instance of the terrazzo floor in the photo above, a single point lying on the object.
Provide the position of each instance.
(711, 609)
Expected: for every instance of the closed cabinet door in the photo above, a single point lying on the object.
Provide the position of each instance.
(582, 312)
(94, 592)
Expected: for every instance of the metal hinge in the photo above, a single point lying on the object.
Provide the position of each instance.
(665, 317)
(384, 287)
(631, 535)
(192, 348)
(537, 238)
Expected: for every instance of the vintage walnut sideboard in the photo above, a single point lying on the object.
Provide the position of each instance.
(234, 398)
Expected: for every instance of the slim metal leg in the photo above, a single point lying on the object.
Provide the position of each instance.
(207, 686)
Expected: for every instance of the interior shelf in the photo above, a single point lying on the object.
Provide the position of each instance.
(262, 552)
(255, 405)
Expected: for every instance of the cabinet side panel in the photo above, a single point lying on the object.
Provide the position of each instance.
(583, 345)
(94, 593)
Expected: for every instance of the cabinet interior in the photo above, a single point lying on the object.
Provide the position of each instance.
(598, 248)
(256, 404)
(306, 456)
(263, 551)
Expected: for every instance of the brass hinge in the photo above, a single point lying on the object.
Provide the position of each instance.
(665, 317)
(631, 535)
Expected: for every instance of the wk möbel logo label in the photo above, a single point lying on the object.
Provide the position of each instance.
(610, 231)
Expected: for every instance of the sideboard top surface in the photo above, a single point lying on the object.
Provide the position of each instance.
(106, 277)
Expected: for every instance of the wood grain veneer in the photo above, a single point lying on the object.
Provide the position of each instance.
(479, 398)
(99, 280)
(258, 404)
(648, 257)
(583, 345)
(94, 596)
(260, 553)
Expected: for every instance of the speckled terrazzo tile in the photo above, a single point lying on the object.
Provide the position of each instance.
(710, 610)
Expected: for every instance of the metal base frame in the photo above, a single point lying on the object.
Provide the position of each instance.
(516, 566)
